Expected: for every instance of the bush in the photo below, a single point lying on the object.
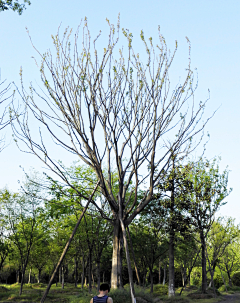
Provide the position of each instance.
(229, 288)
(196, 277)
(218, 282)
(236, 278)
(123, 295)
(160, 290)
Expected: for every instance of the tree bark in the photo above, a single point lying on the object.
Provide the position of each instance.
(159, 272)
(128, 262)
(171, 283)
(62, 277)
(134, 259)
(223, 280)
(204, 264)
(83, 272)
(98, 275)
(90, 272)
(164, 274)
(116, 259)
(76, 271)
(151, 279)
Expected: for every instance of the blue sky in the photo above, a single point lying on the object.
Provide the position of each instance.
(212, 27)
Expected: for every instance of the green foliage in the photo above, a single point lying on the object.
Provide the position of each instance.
(236, 278)
(218, 282)
(229, 288)
(123, 295)
(196, 276)
(13, 5)
(160, 290)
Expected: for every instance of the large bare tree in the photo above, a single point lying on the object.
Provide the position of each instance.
(116, 111)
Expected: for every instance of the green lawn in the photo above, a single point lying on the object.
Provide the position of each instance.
(70, 294)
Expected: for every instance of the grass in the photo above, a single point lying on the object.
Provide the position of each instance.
(70, 294)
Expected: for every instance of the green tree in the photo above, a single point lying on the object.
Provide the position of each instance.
(19, 214)
(13, 5)
(207, 191)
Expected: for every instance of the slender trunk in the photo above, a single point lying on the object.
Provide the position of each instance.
(223, 280)
(29, 276)
(76, 271)
(83, 271)
(90, 272)
(17, 276)
(22, 281)
(159, 272)
(93, 280)
(164, 274)
(171, 283)
(204, 270)
(151, 279)
(62, 277)
(98, 275)
(128, 262)
(133, 255)
(39, 275)
(103, 276)
(229, 279)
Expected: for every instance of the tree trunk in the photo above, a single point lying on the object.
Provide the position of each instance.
(62, 277)
(151, 279)
(128, 262)
(83, 271)
(103, 276)
(229, 279)
(159, 272)
(22, 281)
(134, 259)
(171, 283)
(98, 275)
(76, 271)
(116, 260)
(90, 272)
(224, 280)
(204, 270)
(39, 275)
(29, 276)
(164, 274)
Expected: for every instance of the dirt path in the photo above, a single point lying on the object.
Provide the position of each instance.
(233, 298)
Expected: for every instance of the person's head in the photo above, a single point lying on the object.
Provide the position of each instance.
(104, 287)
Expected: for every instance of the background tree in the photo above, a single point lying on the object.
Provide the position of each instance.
(13, 5)
(207, 191)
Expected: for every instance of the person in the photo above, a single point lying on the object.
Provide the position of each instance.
(103, 295)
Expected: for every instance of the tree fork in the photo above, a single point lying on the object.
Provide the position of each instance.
(67, 246)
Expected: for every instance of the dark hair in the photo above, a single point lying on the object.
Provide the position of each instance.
(104, 287)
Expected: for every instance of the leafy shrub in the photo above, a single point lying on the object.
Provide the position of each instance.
(160, 290)
(229, 288)
(236, 278)
(218, 282)
(196, 277)
(123, 295)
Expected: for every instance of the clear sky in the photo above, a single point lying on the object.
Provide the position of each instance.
(213, 28)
